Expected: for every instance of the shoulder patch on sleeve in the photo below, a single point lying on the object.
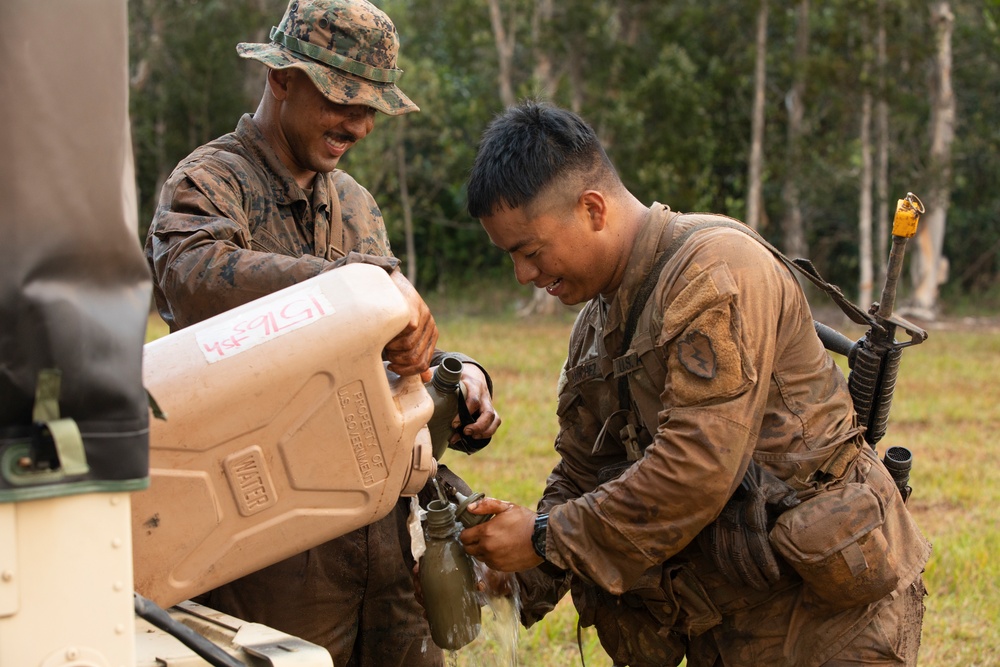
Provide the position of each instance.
(707, 361)
(696, 354)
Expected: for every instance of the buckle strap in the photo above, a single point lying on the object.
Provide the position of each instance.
(64, 432)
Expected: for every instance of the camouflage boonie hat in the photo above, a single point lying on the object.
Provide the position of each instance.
(347, 47)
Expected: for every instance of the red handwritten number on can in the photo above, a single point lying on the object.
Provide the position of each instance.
(263, 323)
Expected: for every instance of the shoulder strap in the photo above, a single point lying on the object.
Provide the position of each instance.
(642, 296)
(803, 266)
(856, 314)
(649, 283)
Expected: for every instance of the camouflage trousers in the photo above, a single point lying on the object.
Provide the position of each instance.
(353, 595)
(890, 639)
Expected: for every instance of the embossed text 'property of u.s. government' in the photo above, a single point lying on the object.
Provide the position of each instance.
(361, 431)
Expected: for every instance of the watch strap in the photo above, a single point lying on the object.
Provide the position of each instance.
(538, 536)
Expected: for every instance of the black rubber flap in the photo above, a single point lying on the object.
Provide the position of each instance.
(74, 288)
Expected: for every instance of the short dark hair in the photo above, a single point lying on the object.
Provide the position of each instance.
(527, 147)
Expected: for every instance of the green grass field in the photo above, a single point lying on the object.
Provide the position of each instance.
(945, 410)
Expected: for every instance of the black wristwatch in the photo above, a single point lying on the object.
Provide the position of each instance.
(538, 536)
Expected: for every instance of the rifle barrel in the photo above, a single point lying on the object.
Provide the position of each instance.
(904, 226)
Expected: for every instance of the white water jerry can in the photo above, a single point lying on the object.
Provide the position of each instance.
(283, 430)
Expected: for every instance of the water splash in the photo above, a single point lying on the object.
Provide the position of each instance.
(497, 642)
(504, 628)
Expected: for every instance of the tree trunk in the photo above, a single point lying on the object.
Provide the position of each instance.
(929, 267)
(882, 150)
(256, 76)
(574, 70)
(629, 15)
(163, 165)
(792, 225)
(142, 78)
(545, 79)
(865, 207)
(405, 203)
(541, 302)
(756, 167)
(505, 52)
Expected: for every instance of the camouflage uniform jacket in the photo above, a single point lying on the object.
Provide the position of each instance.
(232, 225)
(726, 366)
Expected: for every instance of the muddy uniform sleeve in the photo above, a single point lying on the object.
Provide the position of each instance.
(202, 253)
(720, 316)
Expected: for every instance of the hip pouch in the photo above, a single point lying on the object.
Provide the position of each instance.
(835, 542)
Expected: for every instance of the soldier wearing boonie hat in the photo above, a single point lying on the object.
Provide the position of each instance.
(347, 47)
(265, 207)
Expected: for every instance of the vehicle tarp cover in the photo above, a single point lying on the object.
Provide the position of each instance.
(74, 288)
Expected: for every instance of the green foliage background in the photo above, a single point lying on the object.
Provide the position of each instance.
(668, 85)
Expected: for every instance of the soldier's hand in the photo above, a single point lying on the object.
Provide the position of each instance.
(497, 584)
(410, 352)
(479, 403)
(503, 542)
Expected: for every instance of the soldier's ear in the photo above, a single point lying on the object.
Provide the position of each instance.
(277, 82)
(595, 207)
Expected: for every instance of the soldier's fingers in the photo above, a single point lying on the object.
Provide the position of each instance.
(409, 354)
(485, 426)
(490, 506)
